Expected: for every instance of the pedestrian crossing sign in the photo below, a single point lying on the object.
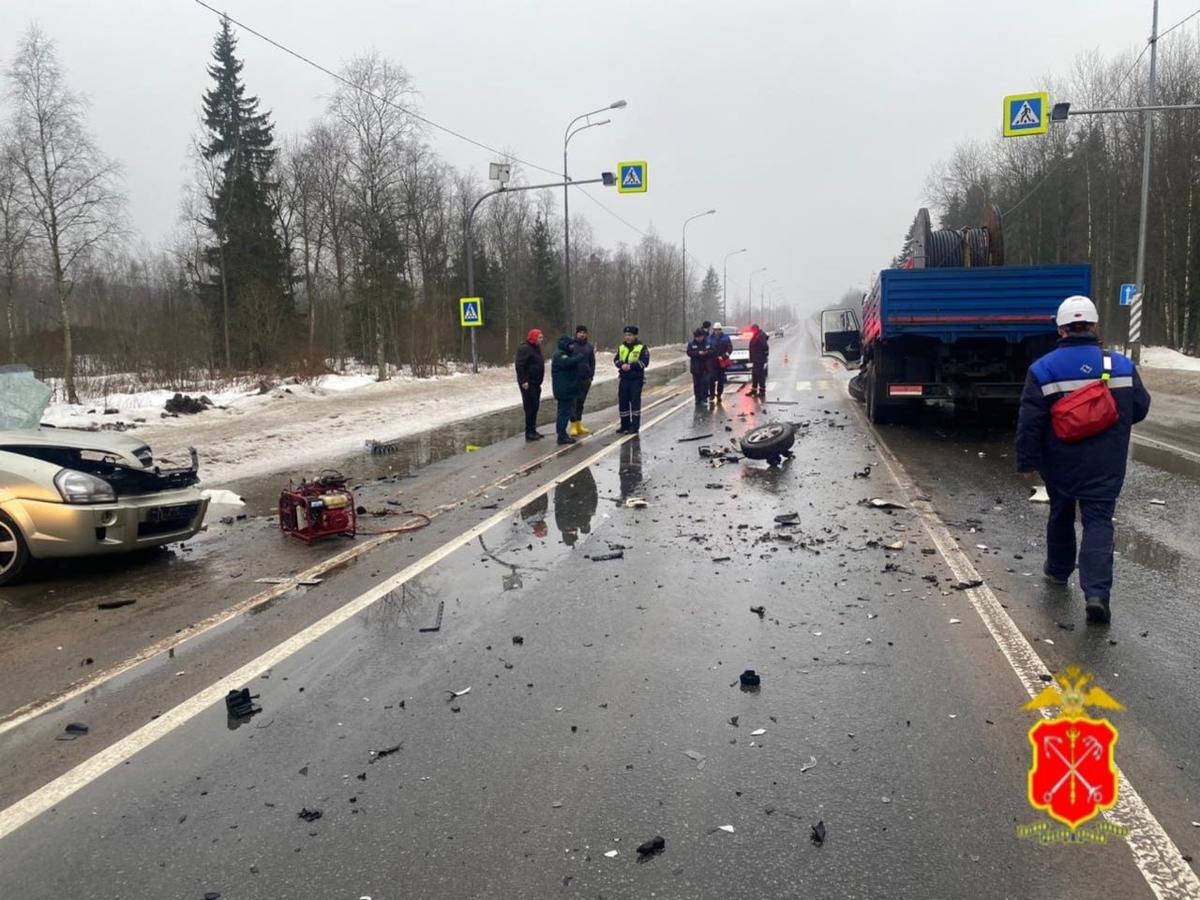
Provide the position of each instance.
(470, 312)
(632, 177)
(1026, 114)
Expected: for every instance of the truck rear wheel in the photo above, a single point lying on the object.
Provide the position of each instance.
(879, 410)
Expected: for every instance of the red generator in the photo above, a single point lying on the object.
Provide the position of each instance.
(317, 509)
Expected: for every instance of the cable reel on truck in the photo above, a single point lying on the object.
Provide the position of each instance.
(949, 248)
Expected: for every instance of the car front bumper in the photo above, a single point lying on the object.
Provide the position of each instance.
(55, 530)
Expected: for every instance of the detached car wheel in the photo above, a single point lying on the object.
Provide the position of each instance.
(769, 442)
(14, 555)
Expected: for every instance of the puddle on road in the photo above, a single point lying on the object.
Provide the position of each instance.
(1166, 460)
(1144, 550)
(409, 454)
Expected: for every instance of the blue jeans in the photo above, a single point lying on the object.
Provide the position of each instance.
(566, 409)
(1095, 550)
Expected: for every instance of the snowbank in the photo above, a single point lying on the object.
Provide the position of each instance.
(1166, 358)
(294, 425)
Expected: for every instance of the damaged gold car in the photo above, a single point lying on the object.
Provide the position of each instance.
(67, 493)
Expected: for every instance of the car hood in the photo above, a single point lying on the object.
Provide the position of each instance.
(127, 450)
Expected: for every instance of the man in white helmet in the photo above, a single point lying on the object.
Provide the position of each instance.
(1079, 404)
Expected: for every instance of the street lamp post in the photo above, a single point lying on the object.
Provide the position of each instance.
(750, 292)
(762, 303)
(567, 135)
(725, 284)
(683, 293)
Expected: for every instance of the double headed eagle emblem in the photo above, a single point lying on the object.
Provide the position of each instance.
(1067, 693)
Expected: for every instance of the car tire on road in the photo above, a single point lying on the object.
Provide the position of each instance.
(14, 554)
(769, 442)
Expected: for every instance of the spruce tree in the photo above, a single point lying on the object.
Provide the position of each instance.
(546, 298)
(249, 287)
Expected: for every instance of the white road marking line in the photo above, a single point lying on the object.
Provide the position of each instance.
(58, 790)
(1165, 447)
(771, 385)
(1156, 855)
(804, 385)
(19, 716)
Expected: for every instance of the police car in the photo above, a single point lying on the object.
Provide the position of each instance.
(739, 359)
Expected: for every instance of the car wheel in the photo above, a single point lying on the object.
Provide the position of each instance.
(768, 441)
(14, 555)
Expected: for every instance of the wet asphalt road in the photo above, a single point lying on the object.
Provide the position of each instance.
(610, 722)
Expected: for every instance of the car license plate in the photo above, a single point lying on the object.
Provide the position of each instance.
(160, 514)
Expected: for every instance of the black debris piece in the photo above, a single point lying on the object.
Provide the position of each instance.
(188, 406)
(1066, 626)
(788, 518)
(386, 751)
(518, 640)
(721, 559)
(818, 833)
(652, 847)
(698, 437)
(1045, 677)
(212, 895)
(437, 622)
(309, 815)
(967, 585)
(932, 579)
(759, 611)
(73, 731)
(239, 704)
(115, 604)
(865, 472)
(750, 679)
(733, 720)
(715, 486)
(605, 557)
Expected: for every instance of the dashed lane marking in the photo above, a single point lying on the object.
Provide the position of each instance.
(58, 790)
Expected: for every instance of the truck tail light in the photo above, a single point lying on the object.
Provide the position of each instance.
(905, 390)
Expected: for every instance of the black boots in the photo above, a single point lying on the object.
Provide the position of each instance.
(1097, 610)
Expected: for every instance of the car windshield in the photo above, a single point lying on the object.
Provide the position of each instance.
(23, 399)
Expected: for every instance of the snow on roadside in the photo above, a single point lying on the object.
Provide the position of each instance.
(1166, 358)
(295, 425)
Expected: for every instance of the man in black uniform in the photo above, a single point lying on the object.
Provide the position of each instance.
(631, 360)
(760, 350)
(531, 371)
(697, 351)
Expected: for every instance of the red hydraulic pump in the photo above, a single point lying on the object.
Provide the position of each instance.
(317, 509)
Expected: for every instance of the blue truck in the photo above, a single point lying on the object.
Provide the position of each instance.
(962, 334)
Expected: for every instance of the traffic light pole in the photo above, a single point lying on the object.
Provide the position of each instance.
(605, 179)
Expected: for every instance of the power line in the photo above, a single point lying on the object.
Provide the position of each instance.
(404, 109)
(1182, 21)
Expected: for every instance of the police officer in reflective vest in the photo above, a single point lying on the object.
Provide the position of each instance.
(1076, 435)
(631, 360)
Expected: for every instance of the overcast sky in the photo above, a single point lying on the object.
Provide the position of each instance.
(810, 127)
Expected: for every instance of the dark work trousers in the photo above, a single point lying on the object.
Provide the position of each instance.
(583, 392)
(758, 376)
(629, 402)
(565, 409)
(716, 384)
(530, 399)
(1096, 549)
(700, 385)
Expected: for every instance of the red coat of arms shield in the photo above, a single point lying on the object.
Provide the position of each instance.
(1073, 776)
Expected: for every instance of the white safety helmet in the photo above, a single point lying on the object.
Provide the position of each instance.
(717, 326)
(1077, 309)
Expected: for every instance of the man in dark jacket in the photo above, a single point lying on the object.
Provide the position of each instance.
(697, 351)
(566, 381)
(587, 372)
(720, 346)
(531, 372)
(760, 350)
(1088, 473)
(631, 360)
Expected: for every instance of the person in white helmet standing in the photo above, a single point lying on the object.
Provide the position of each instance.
(1079, 404)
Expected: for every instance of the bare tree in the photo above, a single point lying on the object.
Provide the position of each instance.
(16, 227)
(74, 197)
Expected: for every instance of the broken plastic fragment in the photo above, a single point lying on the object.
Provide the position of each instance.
(726, 828)
(956, 621)
(636, 503)
(757, 731)
(1157, 502)
(818, 833)
(812, 762)
(886, 503)
(759, 611)
(1038, 494)
(461, 693)
(610, 853)
(750, 678)
(694, 756)
(895, 545)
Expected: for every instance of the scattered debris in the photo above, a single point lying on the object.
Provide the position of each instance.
(1066, 626)
(721, 559)
(759, 611)
(309, 815)
(865, 472)
(239, 704)
(1038, 494)
(818, 833)
(726, 828)
(115, 604)
(1157, 502)
(73, 731)
(811, 764)
(302, 582)
(885, 503)
(652, 847)
(788, 518)
(968, 585)
(956, 621)
(610, 853)
(518, 640)
(605, 557)
(758, 731)
(181, 404)
(894, 545)
(636, 503)
(697, 437)
(694, 755)
(456, 694)
(750, 678)
(437, 622)
(733, 720)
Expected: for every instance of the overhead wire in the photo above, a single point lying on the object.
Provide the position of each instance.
(406, 110)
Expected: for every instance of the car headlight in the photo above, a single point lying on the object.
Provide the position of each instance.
(80, 487)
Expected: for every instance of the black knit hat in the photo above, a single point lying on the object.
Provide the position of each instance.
(631, 329)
